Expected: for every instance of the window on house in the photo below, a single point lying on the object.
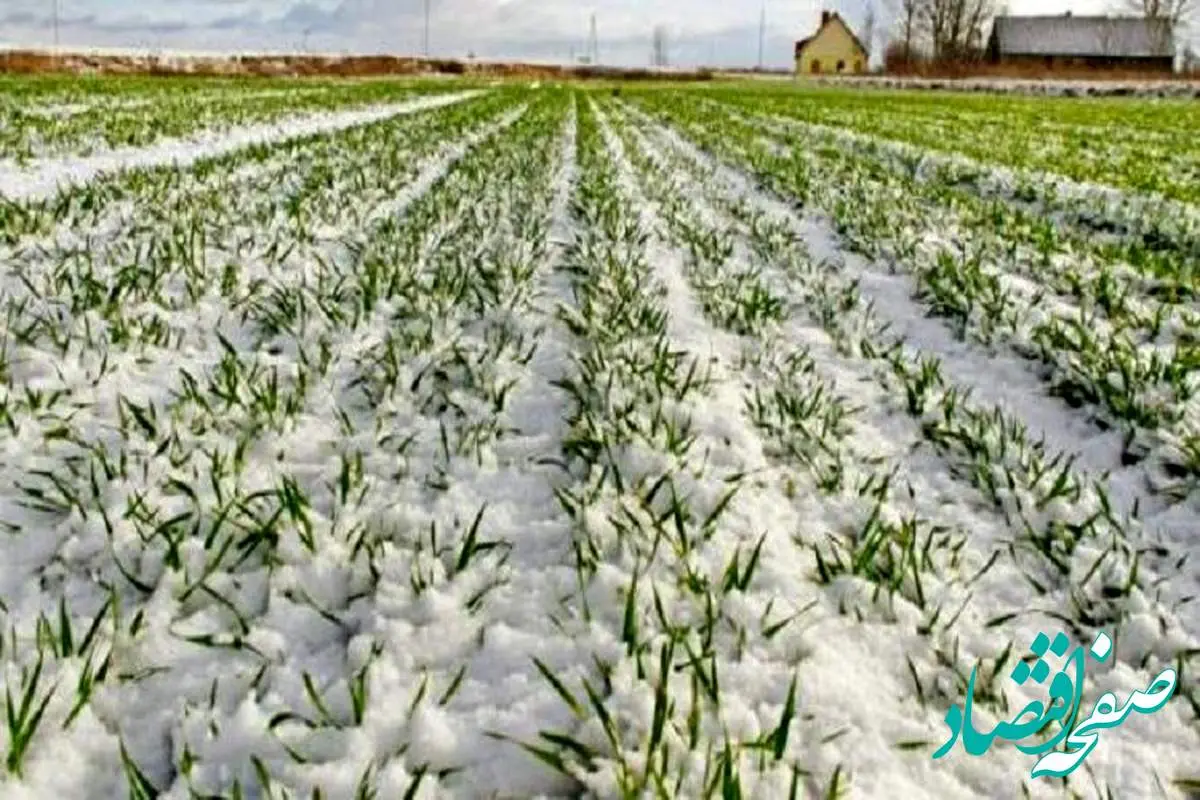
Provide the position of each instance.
(816, 65)
(841, 66)
(858, 66)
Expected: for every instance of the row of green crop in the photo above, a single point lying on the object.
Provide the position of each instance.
(1067, 537)
(183, 240)
(1075, 559)
(118, 120)
(112, 205)
(971, 274)
(1143, 145)
(241, 468)
(1158, 241)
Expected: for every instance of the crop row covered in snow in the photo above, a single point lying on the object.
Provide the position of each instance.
(446, 440)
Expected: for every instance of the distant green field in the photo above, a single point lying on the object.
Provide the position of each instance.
(1149, 145)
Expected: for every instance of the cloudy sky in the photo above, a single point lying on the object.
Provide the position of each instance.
(717, 32)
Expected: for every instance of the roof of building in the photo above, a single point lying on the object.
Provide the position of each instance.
(1067, 35)
(827, 19)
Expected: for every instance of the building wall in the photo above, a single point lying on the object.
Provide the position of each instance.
(1086, 63)
(832, 44)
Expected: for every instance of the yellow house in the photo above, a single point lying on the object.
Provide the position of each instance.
(832, 49)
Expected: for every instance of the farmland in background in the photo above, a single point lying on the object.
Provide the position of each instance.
(427, 438)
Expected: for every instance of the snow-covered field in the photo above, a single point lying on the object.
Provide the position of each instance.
(50, 118)
(536, 441)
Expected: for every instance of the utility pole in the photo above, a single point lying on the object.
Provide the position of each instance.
(593, 42)
(762, 29)
(427, 28)
(658, 56)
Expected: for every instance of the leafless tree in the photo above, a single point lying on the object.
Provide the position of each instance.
(1108, 37)
(1178, 13)
(956, 27)
(910, 16)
